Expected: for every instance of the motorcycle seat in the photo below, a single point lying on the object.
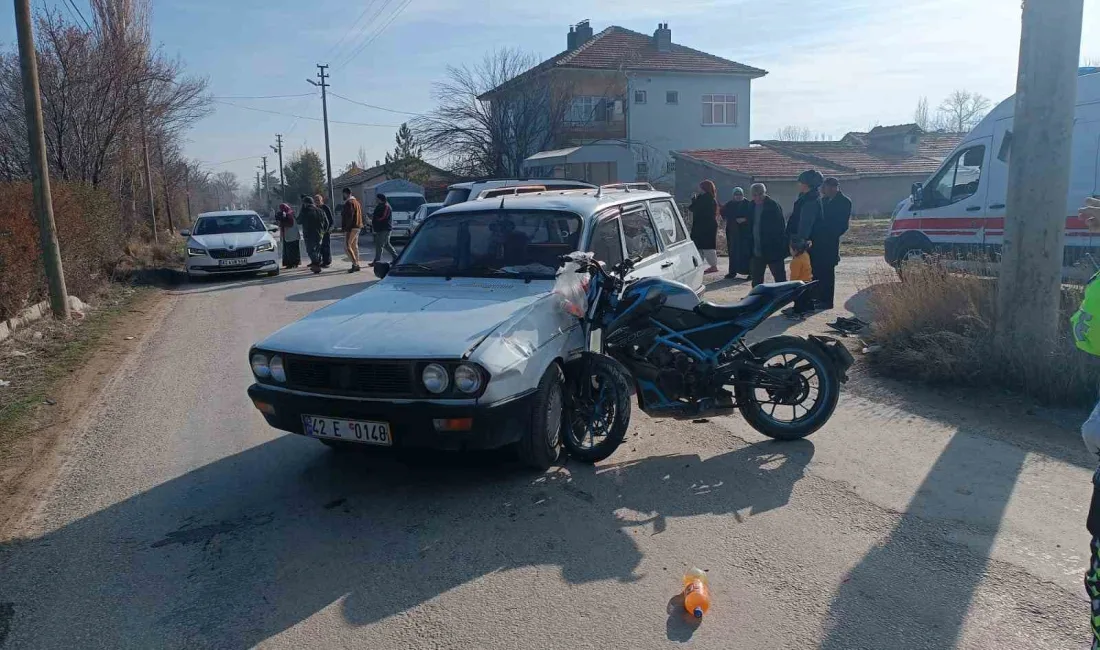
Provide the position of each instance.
(760, 295)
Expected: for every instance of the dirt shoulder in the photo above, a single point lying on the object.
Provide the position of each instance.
(56, 371)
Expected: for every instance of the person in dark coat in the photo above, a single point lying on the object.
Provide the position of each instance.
(381, 222)
(737, 213)
(704, 224)
(825, 253)
(312, 221)
(808, 211)
(291, 235)
(769, 238)
(326, 245)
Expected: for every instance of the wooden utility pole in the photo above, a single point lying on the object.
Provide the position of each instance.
(267, 188)
(167, 185)
(279, 150)
(1030, 287)
(187, 189)
(148, 175)
(40, 171)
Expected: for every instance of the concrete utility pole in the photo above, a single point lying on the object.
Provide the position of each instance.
(1029, 291)
(257, 183)
(267, 189)
(40, 171)
(324, 109)
(279, 150)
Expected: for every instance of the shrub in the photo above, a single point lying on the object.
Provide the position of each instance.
(88, 232)
(938, 327)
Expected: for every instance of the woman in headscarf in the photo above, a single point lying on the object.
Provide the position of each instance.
(704, 224)
(291, 235)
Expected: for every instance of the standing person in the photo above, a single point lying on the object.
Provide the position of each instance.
(326, 247)
(737, 212)
(769, 238)
(807, 212)
(313, 223)
(825, 255)
(1090, 430)
(381, 222)
(291, 236)
(351, 222)
(704, 224)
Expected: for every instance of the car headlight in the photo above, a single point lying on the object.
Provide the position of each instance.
(259, 366)
(435, 378)
(278, 372)
(195, 252)
(467, 379)
(265, 247)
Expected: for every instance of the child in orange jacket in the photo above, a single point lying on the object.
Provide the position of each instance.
(800, 264)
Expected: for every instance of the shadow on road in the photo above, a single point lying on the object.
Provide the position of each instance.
(902, 595)
(339, 292)
(240, 550)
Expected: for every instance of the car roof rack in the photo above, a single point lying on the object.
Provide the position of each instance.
(626, 187)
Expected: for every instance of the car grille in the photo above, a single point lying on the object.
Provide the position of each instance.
(223, 254)
(381, 378)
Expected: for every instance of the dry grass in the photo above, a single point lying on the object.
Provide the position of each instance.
(938, 327)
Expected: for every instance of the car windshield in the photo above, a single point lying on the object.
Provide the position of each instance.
(431, 209)
(526, 243)
(405, 203)
(457, 195)
(229, 224)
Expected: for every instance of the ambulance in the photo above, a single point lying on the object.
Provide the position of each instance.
(960, 211)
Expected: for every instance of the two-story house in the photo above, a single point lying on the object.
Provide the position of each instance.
(626, 100)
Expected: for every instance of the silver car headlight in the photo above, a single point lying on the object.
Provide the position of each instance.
(195, 252)
(260, 367)
(467, 378)
(265, 247)
(278, 372)
(435, 378)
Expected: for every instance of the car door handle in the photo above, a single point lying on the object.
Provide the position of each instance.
(668, 265)
(997, 206)
(974, 208)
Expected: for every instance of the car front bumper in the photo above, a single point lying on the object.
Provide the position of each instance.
(203, 265)
(412, 422)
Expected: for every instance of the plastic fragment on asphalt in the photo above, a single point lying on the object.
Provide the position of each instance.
(4, 384)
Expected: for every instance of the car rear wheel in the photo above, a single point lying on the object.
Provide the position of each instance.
(541, 443)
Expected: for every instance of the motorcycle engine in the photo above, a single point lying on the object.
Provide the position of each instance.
(676, 377)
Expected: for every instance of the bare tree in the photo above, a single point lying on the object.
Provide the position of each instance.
(478, 134)
(793, 133)
(225, 186)
(962, 110)
(922, 116)
(361, 160)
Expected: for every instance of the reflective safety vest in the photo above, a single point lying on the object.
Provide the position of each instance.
(1086, 326)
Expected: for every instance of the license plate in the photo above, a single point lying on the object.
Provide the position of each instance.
(241, 261)
(368, 433)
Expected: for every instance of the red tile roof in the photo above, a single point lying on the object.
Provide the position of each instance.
(774, 159)
(759, 162)
(618, 48)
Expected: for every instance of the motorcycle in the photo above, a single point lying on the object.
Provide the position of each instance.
(687, 359)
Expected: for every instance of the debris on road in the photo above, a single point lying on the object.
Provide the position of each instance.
(128, 338)
(4, 384)
(696, 593)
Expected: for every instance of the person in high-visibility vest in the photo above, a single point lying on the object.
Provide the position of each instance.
(1086, 334)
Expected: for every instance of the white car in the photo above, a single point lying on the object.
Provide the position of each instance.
(423, 212)
(463, 344)
(471, 190)
(235, 241)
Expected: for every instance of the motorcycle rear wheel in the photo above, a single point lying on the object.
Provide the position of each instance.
(813, 378)
(597, 415)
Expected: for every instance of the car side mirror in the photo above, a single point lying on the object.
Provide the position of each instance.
(185, 233)
(381, 269)
(273, 229)
(917, 194)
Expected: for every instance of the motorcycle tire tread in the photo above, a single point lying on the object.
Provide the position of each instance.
(622, 417)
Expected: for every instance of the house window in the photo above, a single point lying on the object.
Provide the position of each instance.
(587, 108)
(643, 170)
(670, 167)
(639, 96)
(720, 110)
(672, 97)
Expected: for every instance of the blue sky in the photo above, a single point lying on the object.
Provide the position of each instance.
(834, 65)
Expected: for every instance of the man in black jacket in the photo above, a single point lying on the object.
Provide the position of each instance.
(326, 244)
(825, 254)
(769, 241)
(313, 228)
(807, 214)
(737, 213)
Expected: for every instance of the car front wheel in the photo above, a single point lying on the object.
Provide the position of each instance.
(541, 443)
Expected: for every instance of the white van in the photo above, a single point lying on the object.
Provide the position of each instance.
(960, 211)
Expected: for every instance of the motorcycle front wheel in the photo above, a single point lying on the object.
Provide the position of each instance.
(597, 408)
(803, 392)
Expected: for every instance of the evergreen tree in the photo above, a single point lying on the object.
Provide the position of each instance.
(304, 174)
(405, 162)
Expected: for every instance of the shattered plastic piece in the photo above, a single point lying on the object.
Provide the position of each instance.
(4, 384)
(871, 349)
(128, 338)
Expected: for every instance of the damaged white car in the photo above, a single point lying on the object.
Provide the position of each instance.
(462, 344)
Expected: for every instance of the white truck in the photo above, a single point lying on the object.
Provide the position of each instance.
(404, 197)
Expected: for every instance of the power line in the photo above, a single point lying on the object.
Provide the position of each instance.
(303, 117)
(381, 108)
(367, 30)
(378, 33)
(78, 12)
(263, 96)
(335, 48)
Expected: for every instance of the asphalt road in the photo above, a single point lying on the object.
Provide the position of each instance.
(182, 521)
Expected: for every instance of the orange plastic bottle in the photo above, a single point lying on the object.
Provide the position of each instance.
(696, 593)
